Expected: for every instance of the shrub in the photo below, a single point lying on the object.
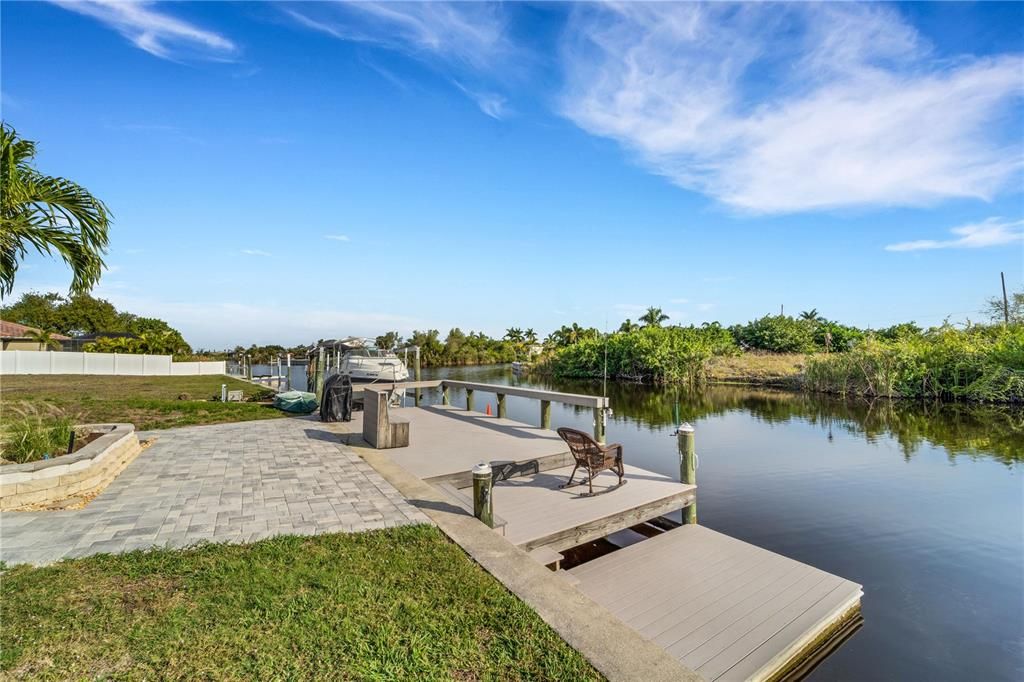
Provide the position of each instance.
(777, 334)
(652, 353)
(981, 363)
(35, 432)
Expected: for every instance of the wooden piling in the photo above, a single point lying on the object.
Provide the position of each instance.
(320, 368)
(483, 500)
(599, 424)
(545, 414)
(416, 391)
(445, 400)
(469, 400)
(502, 411)
(687, 466)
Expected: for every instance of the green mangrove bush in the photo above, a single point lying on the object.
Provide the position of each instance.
(983, 363)
(656, 354)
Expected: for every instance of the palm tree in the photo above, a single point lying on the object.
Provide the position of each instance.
(628, 326)
(810, 315)
(44, 339)
(530, 336)
(653, 317)
(49, 214)
(514, 334)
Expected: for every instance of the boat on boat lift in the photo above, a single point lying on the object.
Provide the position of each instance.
(364, 363)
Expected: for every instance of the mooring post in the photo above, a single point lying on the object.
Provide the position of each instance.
(687, 466)
(444, 394)
(320, 362)
(545, 414)
(469, 400)
(502, 410)
(288, 382)
(223, 393)
(599, 424)
(483, 504)
(416, 391)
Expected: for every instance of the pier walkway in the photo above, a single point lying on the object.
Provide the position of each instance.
(724, 609)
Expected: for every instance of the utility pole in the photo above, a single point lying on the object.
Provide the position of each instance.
(1006, 304)
(782, 310)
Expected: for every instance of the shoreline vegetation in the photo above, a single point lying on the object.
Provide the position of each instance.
(972, 362)
(979, 363)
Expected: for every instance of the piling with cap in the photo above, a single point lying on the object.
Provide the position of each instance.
(483, 502)
(687, 466)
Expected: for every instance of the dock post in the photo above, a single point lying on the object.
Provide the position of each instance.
(545, 414)
(502, 410)
(599, 424)
(483, 504)
(320, 362)
(416, 391)
(288, 383)
(223, 393)
(687, 466)
(469, 400)
(445, 400)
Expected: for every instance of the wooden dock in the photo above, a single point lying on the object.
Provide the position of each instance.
(720, 606)
(723, 607)
(539, 514)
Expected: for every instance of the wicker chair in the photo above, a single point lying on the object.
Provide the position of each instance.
(593, 457)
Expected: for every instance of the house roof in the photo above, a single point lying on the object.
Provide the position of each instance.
(13, 330)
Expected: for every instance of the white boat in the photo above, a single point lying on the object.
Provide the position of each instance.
(364, 363)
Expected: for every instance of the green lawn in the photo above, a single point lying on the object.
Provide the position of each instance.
(402, 603)
(147, 402)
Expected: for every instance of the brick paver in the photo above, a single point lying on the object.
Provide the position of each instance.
(224, 483)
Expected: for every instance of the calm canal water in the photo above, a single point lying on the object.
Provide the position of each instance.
(921, 504)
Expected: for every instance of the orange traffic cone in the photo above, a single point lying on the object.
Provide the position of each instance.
(488, 409)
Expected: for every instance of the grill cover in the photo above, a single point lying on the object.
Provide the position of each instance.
(336, 405)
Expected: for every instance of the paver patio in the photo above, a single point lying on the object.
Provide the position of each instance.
(225, 483)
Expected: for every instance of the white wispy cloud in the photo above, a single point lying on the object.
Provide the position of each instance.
(256, 252)
(154, 31)
(775, 109)
(679, 301)
(990, 232)
(704, 307)
(338, 237)
(491, 103)
(472, 33)
(464, 40)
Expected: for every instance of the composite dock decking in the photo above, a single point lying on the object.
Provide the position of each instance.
(446, 440)
(723, 607)
(539, 514)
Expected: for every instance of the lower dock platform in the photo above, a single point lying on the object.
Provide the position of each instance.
(723, 607)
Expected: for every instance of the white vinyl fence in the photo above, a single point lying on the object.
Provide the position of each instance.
(124, 364)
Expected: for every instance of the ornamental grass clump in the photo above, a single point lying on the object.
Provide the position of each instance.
(33, 432)
(983, 363)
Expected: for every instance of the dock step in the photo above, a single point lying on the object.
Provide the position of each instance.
(723, 607)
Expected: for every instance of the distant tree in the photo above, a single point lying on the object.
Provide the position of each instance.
(628, 326)
(48, 214)
(44, 339)
(514, 334)
(530, 336)
(811, 315)
(388, 341)
(994, 308)
(653, 317)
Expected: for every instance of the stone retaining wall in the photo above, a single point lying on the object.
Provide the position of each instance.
(86, 471)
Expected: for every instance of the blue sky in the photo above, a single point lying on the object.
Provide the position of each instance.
(281, 172)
